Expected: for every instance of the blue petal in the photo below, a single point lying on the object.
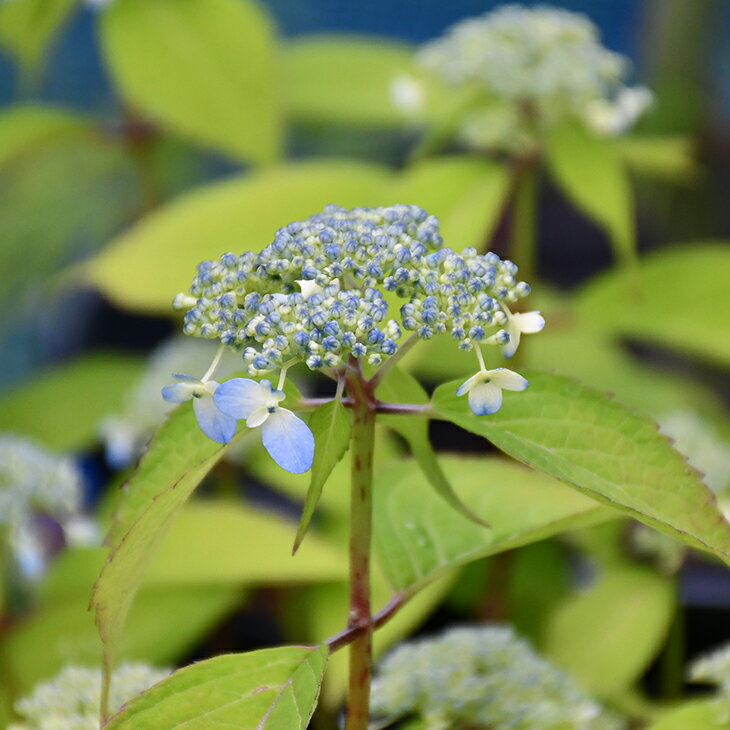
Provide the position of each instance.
(213, 423)
(240, 397)
(485, 399)
(178, 392)
(289, 441)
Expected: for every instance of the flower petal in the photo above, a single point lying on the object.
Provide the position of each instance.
(466, 386)
(508, 379)
(258, 417)
(485, 399)
(529, 322)
(240, 397)
(179, 392)
(215, 424)
(289, 441)
(187, 378)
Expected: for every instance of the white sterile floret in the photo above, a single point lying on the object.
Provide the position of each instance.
(537, 65)
(714, 668)
(215, 424)
(527, 323)
(285, 436)
(613, 117)
(485, 389)
(70, 701)
(481, 677)
(407, 93)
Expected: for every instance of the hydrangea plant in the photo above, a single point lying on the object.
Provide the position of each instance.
(347, 294)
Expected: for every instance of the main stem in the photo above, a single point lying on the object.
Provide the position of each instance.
(523, 226)
(361, 508)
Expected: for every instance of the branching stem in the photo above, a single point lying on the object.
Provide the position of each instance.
(392, 361)
(363, 437)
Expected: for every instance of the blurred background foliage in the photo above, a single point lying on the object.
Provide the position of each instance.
(138, 137)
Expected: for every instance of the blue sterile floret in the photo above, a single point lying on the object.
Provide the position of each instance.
(317, 293)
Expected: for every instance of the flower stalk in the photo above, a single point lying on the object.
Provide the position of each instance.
(363, 437)
(523, 225)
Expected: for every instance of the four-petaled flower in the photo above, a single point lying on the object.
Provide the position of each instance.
(485, 389)
(286, 437)
(215, 424)
(527, 323)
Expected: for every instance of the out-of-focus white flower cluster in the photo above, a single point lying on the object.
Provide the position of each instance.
(125, 434)
(35, 482)
(714, 668)
(522, 70)
(707, 452)
(481, 677)
(70, 701)
(703, 448)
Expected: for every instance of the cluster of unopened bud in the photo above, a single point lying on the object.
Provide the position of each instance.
(70, 701)
(482, 677)
(320, 292)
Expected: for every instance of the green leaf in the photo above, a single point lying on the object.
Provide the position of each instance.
(344, 79)
(466, 194)
(178, 451)
(25, 128)
(695, 715)
(331, 425)
(418, 538)
(666, 157)
(591, 174)
(162, 461)
(697, 325)
(203, 70)
(164, 625)
(72, 398)
(595, 358)
(93, 203)
(607, 636)
(177, 460)
(146, 267)
(400, 387)
(539, 579)
(216, 541)
(28, 27)
(599, 446)
(267, 689)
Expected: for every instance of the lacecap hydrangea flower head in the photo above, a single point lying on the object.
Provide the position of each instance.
(481, 677)
(70, 701)
(341, 287)
(522, 70)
